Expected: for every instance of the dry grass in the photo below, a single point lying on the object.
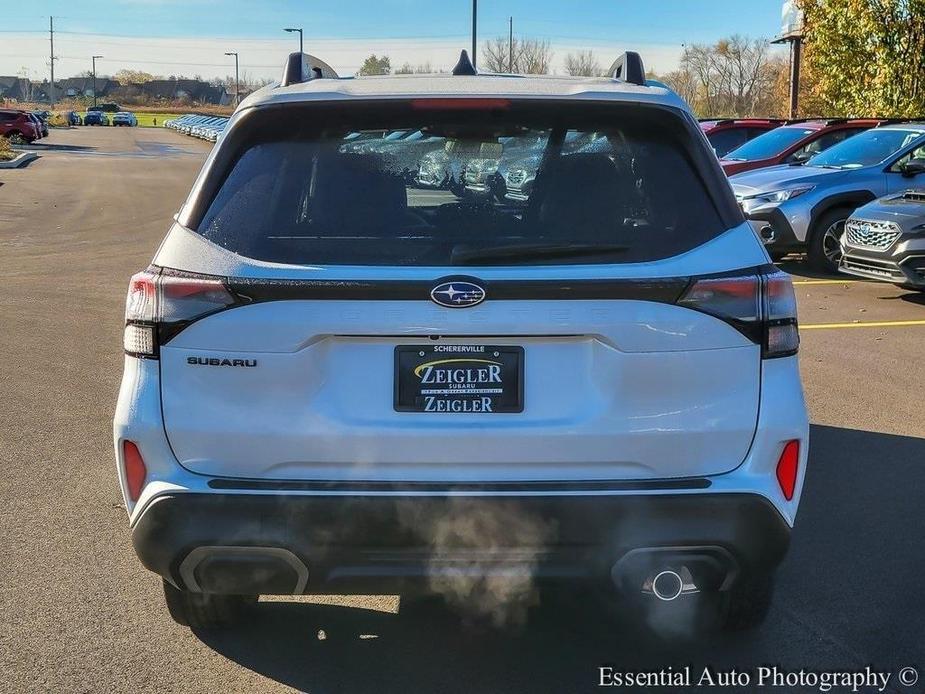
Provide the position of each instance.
(6, 152)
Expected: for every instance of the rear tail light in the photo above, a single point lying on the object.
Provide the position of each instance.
(762, 307)
(787, 468)
(135, 470)
(159, 305)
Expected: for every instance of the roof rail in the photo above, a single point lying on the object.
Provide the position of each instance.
(464, 66)
(628, 68)
(301, 67)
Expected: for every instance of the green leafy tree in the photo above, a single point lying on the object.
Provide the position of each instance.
(374, 65)
(865, 57)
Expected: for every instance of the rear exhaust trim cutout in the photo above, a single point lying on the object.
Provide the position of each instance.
(270, 570)
(667, 585)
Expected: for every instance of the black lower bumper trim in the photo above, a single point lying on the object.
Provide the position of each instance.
(457, 487)
(361, 544)
(784, 236)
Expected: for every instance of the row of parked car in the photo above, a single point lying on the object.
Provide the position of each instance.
(207, 128)
(23, 126)
(845, 191)
(798, 182)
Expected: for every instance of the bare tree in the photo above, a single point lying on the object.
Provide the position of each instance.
(736, 76)
(535, 57)
(521, 56)
(582, 64)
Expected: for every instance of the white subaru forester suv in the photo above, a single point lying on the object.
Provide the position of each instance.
(338, 380)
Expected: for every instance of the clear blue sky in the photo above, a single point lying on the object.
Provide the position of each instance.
(661, 21)
(190, 36)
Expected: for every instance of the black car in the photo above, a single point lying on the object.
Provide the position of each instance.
(107, 108)
(96, 117)
(73, 118)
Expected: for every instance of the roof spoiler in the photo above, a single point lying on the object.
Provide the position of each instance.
(301, 67)
(628, 68)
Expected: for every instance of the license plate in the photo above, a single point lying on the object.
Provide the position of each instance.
(459, 378)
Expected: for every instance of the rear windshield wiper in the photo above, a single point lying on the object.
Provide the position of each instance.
(533, 252)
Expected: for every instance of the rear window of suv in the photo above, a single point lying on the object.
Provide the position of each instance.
(446, 183)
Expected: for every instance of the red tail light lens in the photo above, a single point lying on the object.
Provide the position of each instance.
(135, 470)
(787, 468)
(158, 306)
(761, 306)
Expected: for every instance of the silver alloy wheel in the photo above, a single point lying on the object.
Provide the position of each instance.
(831, 241)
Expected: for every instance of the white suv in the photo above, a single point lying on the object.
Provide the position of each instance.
(338, 380)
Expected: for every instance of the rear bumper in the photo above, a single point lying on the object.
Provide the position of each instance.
(297, 543)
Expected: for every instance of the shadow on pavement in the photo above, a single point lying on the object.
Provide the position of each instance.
(848, 596)
(914, 298)
(41, 147)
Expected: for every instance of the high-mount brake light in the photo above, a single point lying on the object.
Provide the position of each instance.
(158, 306)
(459, 104)
(760, 306)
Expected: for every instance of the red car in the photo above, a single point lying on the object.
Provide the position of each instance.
(793, 143)
(18, 125)
(728, 133)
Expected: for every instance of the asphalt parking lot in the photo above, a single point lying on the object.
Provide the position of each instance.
(78, 613)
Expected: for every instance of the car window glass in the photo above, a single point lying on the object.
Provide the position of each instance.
(770, 144)
(918, 153)
(865, 149)
(724, 141)
(338, 199)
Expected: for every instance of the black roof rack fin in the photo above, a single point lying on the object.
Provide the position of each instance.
(301, 67)
(464, 66)
(628, 68)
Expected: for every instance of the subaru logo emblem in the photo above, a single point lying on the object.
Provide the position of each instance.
(457, 294)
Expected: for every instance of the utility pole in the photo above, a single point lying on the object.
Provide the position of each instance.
(298, 29)
(475, 12)
(510, 44)
(93, 58)
(237, 82)
(51, 40)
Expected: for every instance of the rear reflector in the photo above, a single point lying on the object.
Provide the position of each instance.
(787, 468)
(135, 470)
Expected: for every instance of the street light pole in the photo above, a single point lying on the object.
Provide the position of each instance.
(510, 45)
(475, 13)
(94, 77)
(237, 82)
(298, 29)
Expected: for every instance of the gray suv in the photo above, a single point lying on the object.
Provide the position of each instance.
(885, 240)
(804, 207)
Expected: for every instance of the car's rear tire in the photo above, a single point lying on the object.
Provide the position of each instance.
(206, 611)
(824, 250)
(746, 605)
